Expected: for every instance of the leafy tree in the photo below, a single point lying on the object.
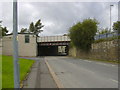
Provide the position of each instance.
(4, 31)
(82, 34)
(31, 27)
(0, 22)
(23, 30)
(36, 28)
(116, 26)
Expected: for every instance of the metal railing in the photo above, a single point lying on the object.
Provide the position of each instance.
(106, 35)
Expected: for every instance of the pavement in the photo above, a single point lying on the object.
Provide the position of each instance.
(39, 77)
(78, 73)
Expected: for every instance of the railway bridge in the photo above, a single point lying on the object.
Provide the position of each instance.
(53, 45)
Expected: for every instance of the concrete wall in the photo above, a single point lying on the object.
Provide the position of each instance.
(103, 50)
(25, 49)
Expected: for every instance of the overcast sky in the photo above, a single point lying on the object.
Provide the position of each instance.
(58, 16)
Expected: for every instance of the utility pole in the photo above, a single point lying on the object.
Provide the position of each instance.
(15, 47)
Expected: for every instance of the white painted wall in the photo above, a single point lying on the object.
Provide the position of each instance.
(7, 45)
(25, 49)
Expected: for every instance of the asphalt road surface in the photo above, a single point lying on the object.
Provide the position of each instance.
(77, 73)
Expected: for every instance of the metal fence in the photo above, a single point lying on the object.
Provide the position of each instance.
(66, 38)
(106, 35)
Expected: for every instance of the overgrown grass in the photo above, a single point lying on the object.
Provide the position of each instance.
(7, 70)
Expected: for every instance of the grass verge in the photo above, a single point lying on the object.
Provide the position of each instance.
(7, 70)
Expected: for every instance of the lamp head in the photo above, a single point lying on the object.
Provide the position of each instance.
(111, 5)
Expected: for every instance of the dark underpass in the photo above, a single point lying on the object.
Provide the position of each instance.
(52, 50)
(53, 45)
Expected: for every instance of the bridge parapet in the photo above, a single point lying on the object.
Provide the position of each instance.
(53, 39)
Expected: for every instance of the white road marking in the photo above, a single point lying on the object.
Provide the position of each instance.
(105, 64)
(113, 65)
(100, 63)
(88, 61)
(114, 80)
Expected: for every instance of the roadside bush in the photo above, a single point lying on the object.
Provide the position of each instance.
(82, 34)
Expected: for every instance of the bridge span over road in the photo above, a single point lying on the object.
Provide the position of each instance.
(53, 45)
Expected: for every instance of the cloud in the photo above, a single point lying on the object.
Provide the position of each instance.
(58, 17)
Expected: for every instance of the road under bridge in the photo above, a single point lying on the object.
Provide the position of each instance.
(53, 45)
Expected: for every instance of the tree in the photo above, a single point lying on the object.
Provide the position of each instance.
(23, 30)
(4, 31)
(31, 27)
(116, 26)
(82, 34)
(0, 22)
(36, 29)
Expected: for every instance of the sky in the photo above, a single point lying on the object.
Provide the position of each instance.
(58, 17)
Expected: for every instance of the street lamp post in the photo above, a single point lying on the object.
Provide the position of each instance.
(107, 35)
(15, 47)
(118, 44)
(110, 17)
(118, 12)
